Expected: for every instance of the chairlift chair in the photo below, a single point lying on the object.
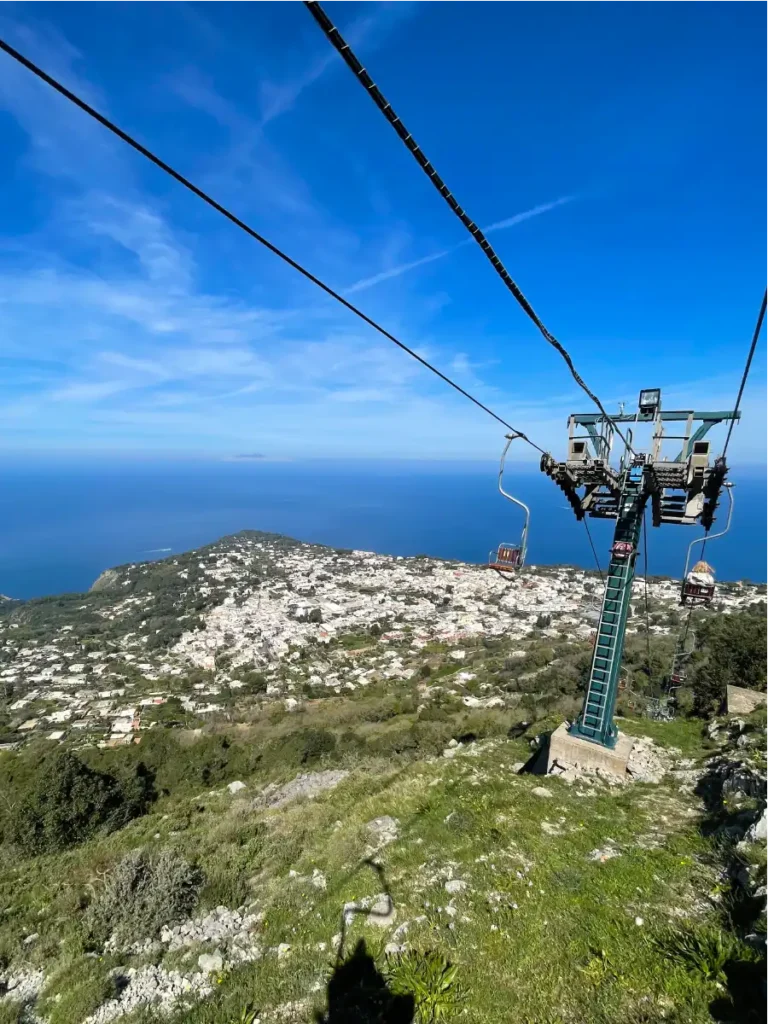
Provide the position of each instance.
(510, 557)
(678, 674)
(506, 557)
(622, 549)
(698, 586)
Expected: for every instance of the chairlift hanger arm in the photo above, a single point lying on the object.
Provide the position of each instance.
(714, 536)
(524, 538)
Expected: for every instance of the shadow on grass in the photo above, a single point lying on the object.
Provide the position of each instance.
(357, 991)
(745, 1000)
(358, 994)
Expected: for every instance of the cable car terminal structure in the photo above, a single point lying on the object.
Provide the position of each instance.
(684, 491)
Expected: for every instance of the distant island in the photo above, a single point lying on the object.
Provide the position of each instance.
(248, 456)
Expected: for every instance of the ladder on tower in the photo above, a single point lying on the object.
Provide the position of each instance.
(618, 592)
(682, 491)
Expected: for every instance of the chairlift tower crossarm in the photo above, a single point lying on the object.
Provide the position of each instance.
(683, 491)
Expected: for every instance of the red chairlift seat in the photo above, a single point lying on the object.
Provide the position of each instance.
(506, 558)
(622, 549)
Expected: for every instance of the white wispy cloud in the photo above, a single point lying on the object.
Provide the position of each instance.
(499, 225)
(122, 330)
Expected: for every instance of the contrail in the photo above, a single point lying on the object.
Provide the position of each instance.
(499, 225)
(534, 211)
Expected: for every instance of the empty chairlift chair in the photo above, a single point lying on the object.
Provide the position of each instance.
(506, 558)
(510, 557)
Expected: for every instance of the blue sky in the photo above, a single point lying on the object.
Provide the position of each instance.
(616, 150)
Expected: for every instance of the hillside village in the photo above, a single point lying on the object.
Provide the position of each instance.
(260, 618)
(226, 772)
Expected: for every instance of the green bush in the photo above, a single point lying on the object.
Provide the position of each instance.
(315, 743)
(68, 802)
(704, 951)
(431, 737)
(141, 894)
(430, 979)
(433, 713)
(730, 651)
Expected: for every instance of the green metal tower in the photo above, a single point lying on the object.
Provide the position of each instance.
(683, 491)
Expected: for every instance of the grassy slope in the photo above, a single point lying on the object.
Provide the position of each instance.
(569, 951)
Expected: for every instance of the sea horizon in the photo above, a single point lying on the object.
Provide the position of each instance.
(64, 521)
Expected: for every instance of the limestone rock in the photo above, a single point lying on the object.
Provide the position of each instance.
(384, 830)
(210, 962)
(308, 785)
(455, 885)
(758, 831)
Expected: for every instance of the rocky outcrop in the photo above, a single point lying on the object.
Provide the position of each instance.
(108, 579)
(741, 701)
(308, 786)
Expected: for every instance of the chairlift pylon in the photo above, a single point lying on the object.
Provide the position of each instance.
(510, 557)
(698, 586)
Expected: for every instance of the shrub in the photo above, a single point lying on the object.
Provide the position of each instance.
(431, 737)
(433, 713)
(69, 801)
(141, 894)
(731, 651)
(430, 980)
(315, 744)
(704, 951)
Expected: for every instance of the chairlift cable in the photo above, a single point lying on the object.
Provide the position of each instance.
(342, 47)
(594, 552)
(645, 586)
(747, 366)
(158, 162)
(742, 385)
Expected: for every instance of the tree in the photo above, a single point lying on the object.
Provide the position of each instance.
(68, 802)
(731, 651)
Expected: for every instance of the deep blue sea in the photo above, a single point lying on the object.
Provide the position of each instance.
(61, 525)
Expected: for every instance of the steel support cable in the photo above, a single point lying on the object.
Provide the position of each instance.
(134, 144)
(677, 657)
(742, 385)
(645, 586)
(352, 62)
(687, 628)
(747, 366)
(744, 375)
(594, 552)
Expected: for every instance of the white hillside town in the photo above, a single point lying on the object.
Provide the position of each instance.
(287, 611)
